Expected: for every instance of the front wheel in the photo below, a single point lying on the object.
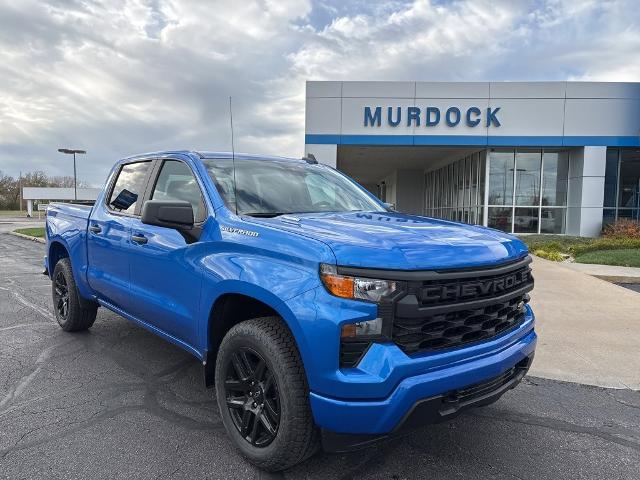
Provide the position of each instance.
(263, 394)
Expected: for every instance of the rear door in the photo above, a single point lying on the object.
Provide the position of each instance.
(165, 276)
(110, 231)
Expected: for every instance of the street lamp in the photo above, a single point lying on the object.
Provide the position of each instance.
(71, 151)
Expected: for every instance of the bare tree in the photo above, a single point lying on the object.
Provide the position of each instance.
(10, 186)
(9, 192)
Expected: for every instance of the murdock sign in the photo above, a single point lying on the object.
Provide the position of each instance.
(430, 116)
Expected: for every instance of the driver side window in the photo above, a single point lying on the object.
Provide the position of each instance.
(176, 182)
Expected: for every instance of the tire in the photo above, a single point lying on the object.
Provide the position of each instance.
(72, 314)
(259, 350)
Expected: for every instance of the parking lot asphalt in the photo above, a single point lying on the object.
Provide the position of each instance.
(118, 402)
(631, 286)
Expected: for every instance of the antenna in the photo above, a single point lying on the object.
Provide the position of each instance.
(233, 158)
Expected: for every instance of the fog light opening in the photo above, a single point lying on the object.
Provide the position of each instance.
(367, 328)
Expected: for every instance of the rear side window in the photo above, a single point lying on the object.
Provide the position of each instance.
(129, 186)
(176, 182)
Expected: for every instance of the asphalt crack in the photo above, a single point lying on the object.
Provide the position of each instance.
(559, 425)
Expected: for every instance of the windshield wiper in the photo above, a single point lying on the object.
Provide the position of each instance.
(264, 214)
(277, 214)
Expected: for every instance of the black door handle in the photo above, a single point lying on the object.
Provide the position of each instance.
(141, 239)
(95, 229)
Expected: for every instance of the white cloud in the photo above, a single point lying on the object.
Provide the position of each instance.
(126, 76)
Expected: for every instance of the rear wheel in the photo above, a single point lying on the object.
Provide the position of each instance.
(263, 395)
(70, 312)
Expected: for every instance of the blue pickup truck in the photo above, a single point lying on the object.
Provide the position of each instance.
(320, 315)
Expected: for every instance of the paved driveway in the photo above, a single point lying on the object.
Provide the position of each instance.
(118, 402)
(589, 329)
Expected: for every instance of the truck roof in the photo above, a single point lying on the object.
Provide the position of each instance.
(218, 155)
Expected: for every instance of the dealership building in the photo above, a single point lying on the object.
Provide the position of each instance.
(534, 157)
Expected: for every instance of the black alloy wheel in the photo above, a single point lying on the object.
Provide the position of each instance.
(73, 313)
(252, 397)
(61, 297)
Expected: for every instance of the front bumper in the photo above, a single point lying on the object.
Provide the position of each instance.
(387, 415)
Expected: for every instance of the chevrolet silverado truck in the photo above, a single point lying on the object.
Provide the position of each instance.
(320, 315)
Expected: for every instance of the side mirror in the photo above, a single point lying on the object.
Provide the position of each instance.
(390, 206)
(176, 214)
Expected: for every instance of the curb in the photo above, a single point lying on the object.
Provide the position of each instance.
(28, 237)
(618, 279)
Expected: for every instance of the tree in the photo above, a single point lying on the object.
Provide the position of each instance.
(10, 186)
(9, 192)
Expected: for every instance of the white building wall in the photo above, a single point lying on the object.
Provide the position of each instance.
(540, 113)
(326, 154)
(586, 191)
(59, 193)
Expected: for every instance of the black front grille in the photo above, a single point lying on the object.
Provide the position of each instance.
(478, 390)
(457, 310)
(458, 327)
(446, 309)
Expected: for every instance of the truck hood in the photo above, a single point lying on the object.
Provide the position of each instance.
(392, 240)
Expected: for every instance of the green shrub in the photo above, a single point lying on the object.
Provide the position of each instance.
(559, 243)
(559, 247)
(554, 256)
(605, 243)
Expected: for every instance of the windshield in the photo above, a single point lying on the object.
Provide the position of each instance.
(269, 188)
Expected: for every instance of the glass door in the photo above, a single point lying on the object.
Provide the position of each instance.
(629, 187)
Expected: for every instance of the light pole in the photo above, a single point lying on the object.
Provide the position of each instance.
(73, 151)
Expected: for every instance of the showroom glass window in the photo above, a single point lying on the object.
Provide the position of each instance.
(525, 192)
(622, 185)
(538, 179)
(555, 179)
(456, 190)
(501, 169)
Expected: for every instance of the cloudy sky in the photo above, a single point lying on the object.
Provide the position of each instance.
(121, 77)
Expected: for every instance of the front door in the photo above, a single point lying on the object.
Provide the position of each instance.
(109, 233)
(165, 279)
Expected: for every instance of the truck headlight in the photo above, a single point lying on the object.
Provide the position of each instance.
(354, 287)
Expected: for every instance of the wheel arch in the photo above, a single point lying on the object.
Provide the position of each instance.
(234, 305)
(56, 252)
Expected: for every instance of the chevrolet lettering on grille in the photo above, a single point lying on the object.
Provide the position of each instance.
(476, 288)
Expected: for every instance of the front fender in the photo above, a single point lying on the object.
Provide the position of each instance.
(271, 279)
(261, 294)
(269, 266)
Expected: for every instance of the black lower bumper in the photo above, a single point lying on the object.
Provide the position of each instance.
(434, 409)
